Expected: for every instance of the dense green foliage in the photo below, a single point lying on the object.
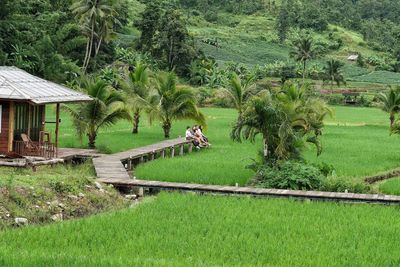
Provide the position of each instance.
(185, 229)
(43, 37)
(289, 175)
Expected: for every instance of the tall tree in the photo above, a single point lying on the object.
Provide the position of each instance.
(173, 103)
(303, 51)
(148, 25)
(164, 34)
(176, 45)
(283, 23)
(106, 109)
(333, 73)
(96, 18)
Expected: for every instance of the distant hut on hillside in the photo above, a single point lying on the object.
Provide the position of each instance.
(353, 57)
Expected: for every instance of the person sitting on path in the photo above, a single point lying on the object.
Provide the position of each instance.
(199, 134)
(190, 136)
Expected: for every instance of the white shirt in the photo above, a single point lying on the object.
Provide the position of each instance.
(189, 134)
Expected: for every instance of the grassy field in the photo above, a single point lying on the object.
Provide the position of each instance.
(189, 230)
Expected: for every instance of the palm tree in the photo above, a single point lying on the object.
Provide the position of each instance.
(262, 116)
(303, 51)
(333, 73)
(239, 92)
(172, 103)
(285, 121)
(105, 110)
(89, 13)
(390, 103)
(138, 88)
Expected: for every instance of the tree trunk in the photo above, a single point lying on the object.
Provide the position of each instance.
(266, 152)
(86, 53)
(98, 46)
(304, 70)
(167, 128)
(391, 119)
(136, 119)
(90, 49)
(92, 140)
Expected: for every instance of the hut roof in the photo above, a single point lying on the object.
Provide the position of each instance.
(16, 84)
(353, 57)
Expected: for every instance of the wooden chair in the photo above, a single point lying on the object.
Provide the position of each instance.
(30, 147)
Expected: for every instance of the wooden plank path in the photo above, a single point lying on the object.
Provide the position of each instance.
(116, 166)
(232, 190)
(114, 169)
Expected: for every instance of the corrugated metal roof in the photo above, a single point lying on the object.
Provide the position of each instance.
(16, 84)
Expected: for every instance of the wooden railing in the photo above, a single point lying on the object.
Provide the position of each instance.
(35, 149)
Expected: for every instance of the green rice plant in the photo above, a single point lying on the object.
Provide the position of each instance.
(191, 230)
(390, 187)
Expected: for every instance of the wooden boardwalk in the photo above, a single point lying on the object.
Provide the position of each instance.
(69, 153)
(114, 169)
(232, 190)
(116, 166)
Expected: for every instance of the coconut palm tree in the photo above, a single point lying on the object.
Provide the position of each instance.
(303, 51)
(333, 73)
(171, 102)
(89, 13)
(240, 91)
(390, 101)
(138, 88)
(106, 109)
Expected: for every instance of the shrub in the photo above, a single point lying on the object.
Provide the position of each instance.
(294, 175)
(335, 184)
(333, 99)
(211, 16)
(325, 168)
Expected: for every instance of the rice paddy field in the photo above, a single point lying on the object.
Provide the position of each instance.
(356, 142)
(191, 230)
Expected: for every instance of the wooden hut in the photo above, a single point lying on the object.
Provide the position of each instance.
(23, 100)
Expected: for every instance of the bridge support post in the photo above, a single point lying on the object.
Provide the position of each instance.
(152, 155)
(172, 151)
(190, 148)
(163, 153)
(181, 150)
(130, 164)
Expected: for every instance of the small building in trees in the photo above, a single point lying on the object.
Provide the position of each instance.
(353, 57)
(23, 100)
